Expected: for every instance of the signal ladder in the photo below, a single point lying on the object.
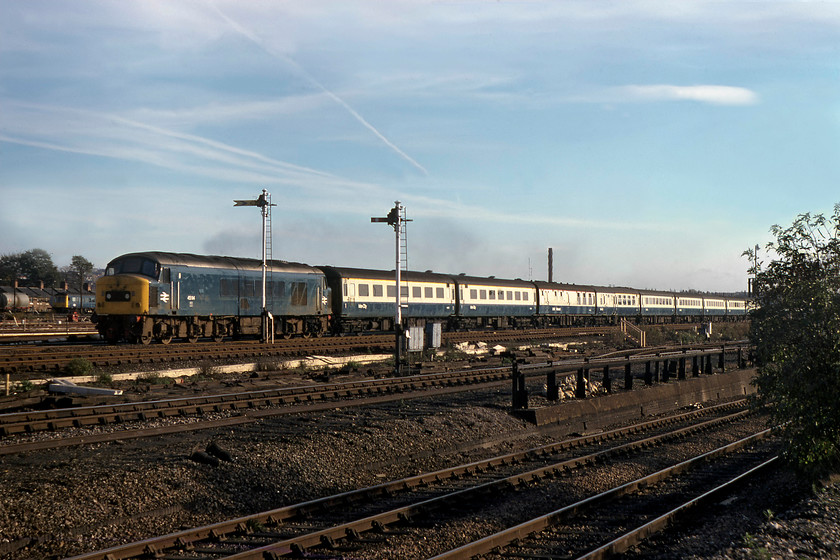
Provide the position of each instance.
(403, 249)
(268, 252)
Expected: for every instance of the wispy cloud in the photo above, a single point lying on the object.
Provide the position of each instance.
(113, 136)
(712, 94)
(265, 47)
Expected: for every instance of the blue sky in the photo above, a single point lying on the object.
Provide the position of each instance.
(649, 143)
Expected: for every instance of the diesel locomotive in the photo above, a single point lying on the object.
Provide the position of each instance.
(159, 296)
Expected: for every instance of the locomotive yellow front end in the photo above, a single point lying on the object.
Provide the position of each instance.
(121, 303)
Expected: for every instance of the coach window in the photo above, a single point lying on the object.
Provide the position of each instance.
(525, 296)
(428, 292)
(439, 292)
(518, 295)
(473, 294)
(482, 294)
(377, 290)
(392, 291)
(417, 292)
(364, 290)
(492, 294)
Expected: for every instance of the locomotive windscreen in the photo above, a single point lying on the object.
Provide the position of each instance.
(135, 265)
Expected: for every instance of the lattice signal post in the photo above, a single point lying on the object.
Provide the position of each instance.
(263, 202)
(396, 218)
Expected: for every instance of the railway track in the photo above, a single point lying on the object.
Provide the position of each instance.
(370, 521)
(230, 408)
(244, 406)
(31, 359)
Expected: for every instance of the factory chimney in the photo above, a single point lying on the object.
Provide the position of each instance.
(550, 264)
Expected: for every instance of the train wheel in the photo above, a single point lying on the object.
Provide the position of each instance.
(217, 338)
(146, 339)
(165, 339)
(192, 339)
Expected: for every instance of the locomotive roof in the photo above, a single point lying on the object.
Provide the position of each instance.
(216, 261)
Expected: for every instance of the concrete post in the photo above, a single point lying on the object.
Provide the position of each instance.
(580, 385)
(628, 375)
(607, 380)
(552, 392)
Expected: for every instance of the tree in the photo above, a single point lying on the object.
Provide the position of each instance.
(795, 328)
(35, 264)
(80, 267)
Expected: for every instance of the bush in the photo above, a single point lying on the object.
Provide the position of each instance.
(78, 367)
(796, 332)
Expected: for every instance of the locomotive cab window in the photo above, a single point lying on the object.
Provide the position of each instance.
(135, 265)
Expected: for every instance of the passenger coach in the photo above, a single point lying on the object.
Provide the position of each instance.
(364, 299)
(492, 302)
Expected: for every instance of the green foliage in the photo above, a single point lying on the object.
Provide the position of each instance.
(35, 264)
(78, 367)
(78, 270)
(23, 386)
(104, 378)
(254, 526)
(796, 332)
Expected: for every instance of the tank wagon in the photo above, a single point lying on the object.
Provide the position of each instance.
(160, 296)
(14, 301)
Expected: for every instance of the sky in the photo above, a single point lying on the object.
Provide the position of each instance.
(649, 143)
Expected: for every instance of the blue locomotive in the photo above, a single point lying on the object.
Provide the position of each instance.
(161, 296)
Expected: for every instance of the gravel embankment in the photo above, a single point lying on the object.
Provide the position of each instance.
(71, 500)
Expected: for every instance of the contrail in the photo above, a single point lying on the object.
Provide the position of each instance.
(257, 41)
